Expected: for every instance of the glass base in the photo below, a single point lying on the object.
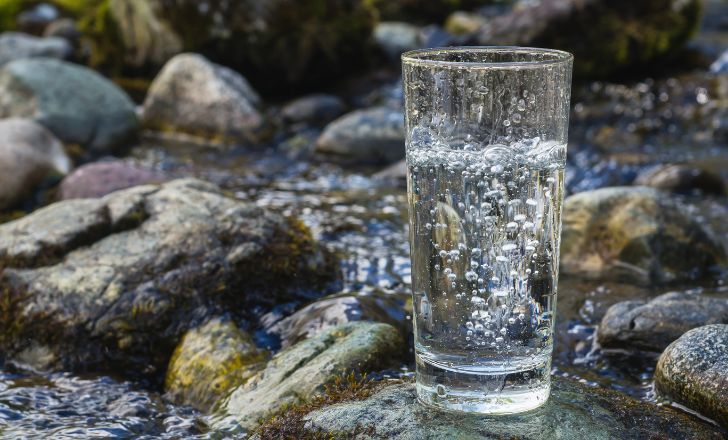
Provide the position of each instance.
(489, 391)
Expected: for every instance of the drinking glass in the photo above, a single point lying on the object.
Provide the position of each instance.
(486, 142)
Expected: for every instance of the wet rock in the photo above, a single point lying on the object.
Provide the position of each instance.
(112, 284)
(681, 179)
(100, 178)
(721, 64)
(194, 96)
(370, 135)
(573, 411)
(63, 28)
(16, 45)
(397, 172)
(209, 361)
(461, 22)
(303, 370)
(34, 20)
(655, 324)
(693, 371)
(28, 153)
(313, 108)
(394, 38)
(635, 233)
(76, 104)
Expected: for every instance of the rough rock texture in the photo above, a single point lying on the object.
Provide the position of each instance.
(574, 411)
(113, 283)
(693, 371)
(635, 233)
(16, 45)
(197, 97)
(681, 179)
(28, 153)
(98, 179)
(76, 104)
(209, 361)
(372, 135)
(303, 370)
(313, 108)
(654, 325)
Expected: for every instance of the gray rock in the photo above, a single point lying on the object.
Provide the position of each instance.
(396, 172)
(638, 234)
(721, 64)
(313, 108)
(693, 371)
(28, 153)
(98, 179)
(114, 283)
(574, 411)
(76, 104)
(654, 325)
(303, 371)
(194, 96)
(394, 38)
(63, 28)
(371, 135)
(16, 45)
(682, 179)
(34, 20)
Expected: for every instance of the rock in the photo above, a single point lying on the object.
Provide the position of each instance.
(209, 361)
(337, 310)
(371, 135)
(640, 32)
(394, 38)
(302, 371)
(463, 23)
(36, 19)
(574, 411)
(681, 179)
(693, 371)
(112, 284)
(720, 65)
(28, 153)
(63, 28)
(100, 178)
(427, 11)
(197, 97)
(654, 325)
(635, 233)
(396, 172)
(16, 45)
(76, 104)
(313, 108)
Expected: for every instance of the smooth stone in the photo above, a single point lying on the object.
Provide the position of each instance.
(574, 411)
(303, 370)
(681, 179)
(372, 135)
(35, 19)
(394, 38)
(313, 108)
(693, 371)
(76, 104)
(655, 324)
(194, 96)
(63, 28)
(98, 179)
(17, 45)
(210, 360)
(396, 172)
(637, 234)
(112, 284)
(28, 153)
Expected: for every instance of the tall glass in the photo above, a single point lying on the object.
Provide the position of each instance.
(486, 150)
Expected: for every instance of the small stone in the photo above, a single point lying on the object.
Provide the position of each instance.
(463, 23)
(720, 65)
(682, 179)
(395, 38)
(101, 178)
(16, 45)
(313, 108)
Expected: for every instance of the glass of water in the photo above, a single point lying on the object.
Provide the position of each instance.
(486, 150)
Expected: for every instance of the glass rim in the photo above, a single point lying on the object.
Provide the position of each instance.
(425, 57)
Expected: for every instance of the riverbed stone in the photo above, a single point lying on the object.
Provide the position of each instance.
(98, 179)
(574, 411)
(319, 107)
(303, 370)
(112, 284)
(395, 37)
(682, 179)
(209, 361)
(371, 135)
(17, 45)
(693, 371)
(28, 153)
(638, 234)
(195, 96)
(76, 104)
(655, 324)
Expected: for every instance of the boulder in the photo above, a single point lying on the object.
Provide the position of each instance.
(305, 369)
(394, 38)
(194, 96)
(98, 179)
(693, 371)
(313, 108)
(76, 104)
(112, 284)
(638, 234)
(655, 324)
(16, 45)
(28, 153)
(63, 28)
(372, 135)
(209, 361)
(681, 179)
